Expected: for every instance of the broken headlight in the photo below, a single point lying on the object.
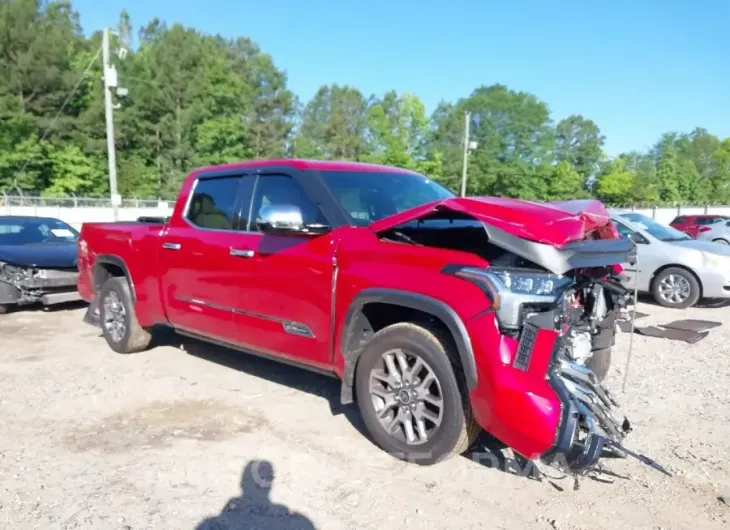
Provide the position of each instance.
(515, 292)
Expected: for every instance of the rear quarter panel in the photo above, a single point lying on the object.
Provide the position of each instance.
(136, 246)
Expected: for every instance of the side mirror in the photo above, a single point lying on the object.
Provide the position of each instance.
(280, 218)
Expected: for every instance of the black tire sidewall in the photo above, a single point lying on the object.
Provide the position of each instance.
(412, 339)
(694, 288)
(119, 286)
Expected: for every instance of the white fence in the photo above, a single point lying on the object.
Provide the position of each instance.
(77, 211)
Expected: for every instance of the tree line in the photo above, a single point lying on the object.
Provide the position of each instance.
(197, 99)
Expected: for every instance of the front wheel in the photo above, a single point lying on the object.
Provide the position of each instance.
(411, 396)
(119, 324)
(676, 288)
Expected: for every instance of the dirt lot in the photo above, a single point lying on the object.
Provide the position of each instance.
(191, 439)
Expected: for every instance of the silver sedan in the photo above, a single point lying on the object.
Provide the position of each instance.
(674, 268)
(718, 232)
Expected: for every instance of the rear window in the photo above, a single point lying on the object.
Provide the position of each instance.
(214, 203)
(679, 220)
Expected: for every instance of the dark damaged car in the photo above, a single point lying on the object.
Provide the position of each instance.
(38, 261)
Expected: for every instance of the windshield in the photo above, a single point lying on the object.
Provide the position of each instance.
(657, 230)
(15, 231)
(368, 196)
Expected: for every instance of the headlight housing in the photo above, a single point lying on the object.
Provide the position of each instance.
(513, 292)
(717, 261)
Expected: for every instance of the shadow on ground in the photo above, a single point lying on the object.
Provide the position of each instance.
(315, 384)
(253, 509)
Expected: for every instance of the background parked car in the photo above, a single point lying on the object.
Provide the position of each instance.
(38, 261)
(718, 232)
(674, 268)
(692, 225)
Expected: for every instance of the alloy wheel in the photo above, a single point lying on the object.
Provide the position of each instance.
(675, 289)
(407, 397)
(115, 316)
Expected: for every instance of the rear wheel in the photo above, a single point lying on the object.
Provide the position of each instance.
(676, 287)
(119, 324)
(411, 395)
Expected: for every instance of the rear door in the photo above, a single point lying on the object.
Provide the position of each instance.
(197, 264)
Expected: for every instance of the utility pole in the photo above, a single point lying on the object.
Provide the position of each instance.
(110, 81)
(467, 118)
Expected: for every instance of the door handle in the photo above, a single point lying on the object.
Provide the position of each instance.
(242, 253)
(172, 246)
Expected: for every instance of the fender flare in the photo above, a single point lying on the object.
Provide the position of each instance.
(113, 259)
(355, 321)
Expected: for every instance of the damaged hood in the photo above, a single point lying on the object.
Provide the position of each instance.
(556, 224)
(41, 255)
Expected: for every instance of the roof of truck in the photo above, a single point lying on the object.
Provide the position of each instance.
(316, 165)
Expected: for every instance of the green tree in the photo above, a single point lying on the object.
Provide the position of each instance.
(333, 125)
(579, 142)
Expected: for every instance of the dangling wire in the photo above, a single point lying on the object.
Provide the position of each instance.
(633, 319)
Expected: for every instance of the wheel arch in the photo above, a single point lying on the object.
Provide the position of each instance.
(358, 329)
(721, 240)
(109, 266)
(675, 266)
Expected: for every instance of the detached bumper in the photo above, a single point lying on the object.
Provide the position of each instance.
(587, 423)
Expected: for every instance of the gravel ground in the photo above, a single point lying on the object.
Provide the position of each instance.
(201, 437)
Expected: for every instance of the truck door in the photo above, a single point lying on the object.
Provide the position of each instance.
(284, 287)
(196, 263)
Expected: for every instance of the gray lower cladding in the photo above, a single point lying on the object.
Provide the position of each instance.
(291, 327)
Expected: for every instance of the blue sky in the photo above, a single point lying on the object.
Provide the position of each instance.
(637, 69)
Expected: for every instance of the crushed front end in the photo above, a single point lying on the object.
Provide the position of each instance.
(21, 285)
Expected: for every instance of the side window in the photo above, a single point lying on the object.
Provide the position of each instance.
(679, 220)
(214, 202)
(727, 224)
(623, 230)
(283, 190)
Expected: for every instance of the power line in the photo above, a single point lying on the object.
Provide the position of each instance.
(58, 114)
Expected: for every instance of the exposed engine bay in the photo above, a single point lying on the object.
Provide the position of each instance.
(29, 285)
(574, 291)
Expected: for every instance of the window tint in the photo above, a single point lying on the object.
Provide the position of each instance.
(283, 190)
(214, 202)
(679, 220)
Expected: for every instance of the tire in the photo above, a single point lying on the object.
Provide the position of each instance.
(695, 290)
(721, 241)
(600, 362)
(3, 309)
(457, 429)
(132, 338)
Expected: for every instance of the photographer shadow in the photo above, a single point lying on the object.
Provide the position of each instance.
(253, 509)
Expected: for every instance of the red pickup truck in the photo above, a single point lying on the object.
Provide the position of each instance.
(441, 315)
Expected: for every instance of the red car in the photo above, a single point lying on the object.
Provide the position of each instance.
(441, 316)
(693, 225)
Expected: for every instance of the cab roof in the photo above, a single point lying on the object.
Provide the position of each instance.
(305, 164)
